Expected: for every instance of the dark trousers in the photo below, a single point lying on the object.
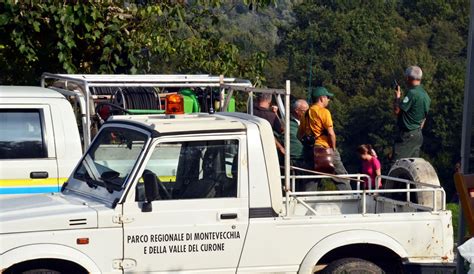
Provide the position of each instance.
(304, 184)
(407, 144)
(339, 169)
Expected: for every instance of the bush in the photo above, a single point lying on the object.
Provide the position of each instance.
(455, 212)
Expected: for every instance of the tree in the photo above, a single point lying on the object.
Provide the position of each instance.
(357, 49)
(107, 37)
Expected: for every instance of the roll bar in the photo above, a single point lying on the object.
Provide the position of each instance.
(278, 93)
(88, 81)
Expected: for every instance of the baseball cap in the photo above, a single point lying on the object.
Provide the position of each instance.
(321, 91)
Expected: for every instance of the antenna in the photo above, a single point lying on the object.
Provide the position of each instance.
(310, 70)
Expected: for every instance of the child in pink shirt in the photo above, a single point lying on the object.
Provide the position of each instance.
(370, 164)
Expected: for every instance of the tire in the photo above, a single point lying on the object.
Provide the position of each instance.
(45, 267)
(353, 266)
(41, 271)
(418, 170)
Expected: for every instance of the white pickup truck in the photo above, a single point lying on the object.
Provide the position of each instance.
(202, 193)
(39, 140)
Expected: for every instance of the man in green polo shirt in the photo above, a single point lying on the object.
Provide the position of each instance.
(298, 109)
(297, 151)
(411, 113)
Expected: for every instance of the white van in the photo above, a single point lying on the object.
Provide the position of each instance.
(39, 140)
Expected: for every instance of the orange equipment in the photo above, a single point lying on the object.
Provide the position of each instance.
(174, 104)
(465, 188)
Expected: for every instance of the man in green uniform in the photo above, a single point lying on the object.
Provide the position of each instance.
(411, 113)
(298, 109)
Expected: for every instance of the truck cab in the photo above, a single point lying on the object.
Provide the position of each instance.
(39, 140)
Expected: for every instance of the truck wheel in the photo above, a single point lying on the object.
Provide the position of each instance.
(45, 267)
(352, 265)
(418, 170)
(41, 271)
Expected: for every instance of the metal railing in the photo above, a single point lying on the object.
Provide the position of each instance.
(88, 81)
(428, 188)
(292, 195)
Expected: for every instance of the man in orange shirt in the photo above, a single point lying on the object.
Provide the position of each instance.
(318, 121)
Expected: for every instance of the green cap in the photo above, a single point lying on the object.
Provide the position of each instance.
(321, 91)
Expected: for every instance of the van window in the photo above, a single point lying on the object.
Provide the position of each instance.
(21, 134)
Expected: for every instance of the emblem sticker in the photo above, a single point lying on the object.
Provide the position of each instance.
(406, 99)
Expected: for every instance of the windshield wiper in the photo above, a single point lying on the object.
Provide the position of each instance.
(93, 178)
(91, 183)
(110, 180)
(110, 184)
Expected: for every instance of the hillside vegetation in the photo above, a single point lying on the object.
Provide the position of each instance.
(355, 48)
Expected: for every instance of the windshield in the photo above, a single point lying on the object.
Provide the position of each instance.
(108, 163)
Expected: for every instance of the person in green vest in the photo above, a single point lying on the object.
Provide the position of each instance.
(298, 109)
(411, 114)
(297, 153)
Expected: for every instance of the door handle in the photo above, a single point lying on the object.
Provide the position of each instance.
(228, 216)
(39, 175)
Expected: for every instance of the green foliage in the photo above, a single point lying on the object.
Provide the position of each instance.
(79, 38)
(455, 219)
(454, 207)
(108, 37)
(357, 49)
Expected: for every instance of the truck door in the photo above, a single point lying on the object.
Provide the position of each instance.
(199, 220)
(27, 150)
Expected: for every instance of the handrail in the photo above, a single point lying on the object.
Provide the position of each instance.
(305, 205)
(434, 189)
(342, 176)
(319, 174)
(407, 181)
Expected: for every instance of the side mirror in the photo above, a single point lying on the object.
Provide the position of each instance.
(151, 189)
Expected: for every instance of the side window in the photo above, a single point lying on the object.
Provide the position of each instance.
(21, 134)
(194, 170)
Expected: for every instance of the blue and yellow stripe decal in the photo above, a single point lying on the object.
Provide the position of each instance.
(30, 186)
